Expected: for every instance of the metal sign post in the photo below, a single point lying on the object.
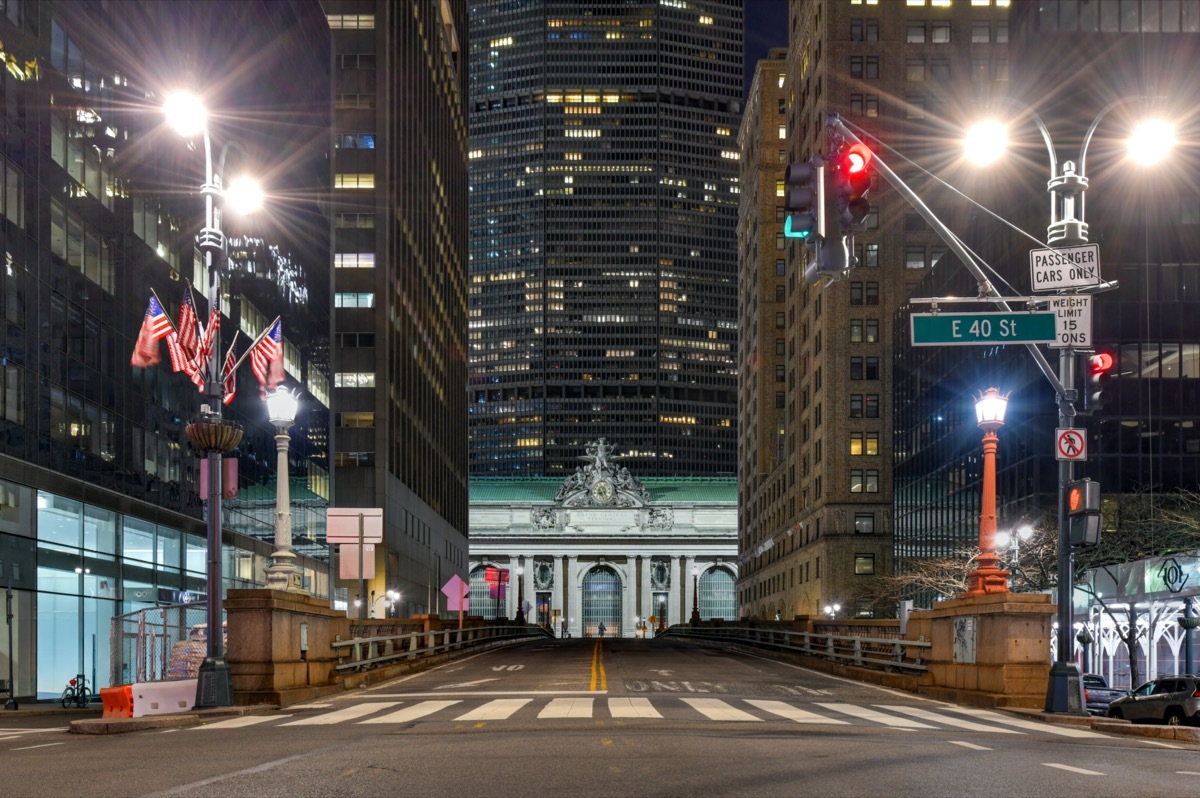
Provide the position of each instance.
(12, 659)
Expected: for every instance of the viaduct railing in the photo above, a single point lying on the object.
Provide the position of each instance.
(370, 651)
(887, 653)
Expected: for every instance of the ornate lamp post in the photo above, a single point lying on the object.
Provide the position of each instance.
(662, 618)
(1006, 540)
(212, 435)
(520, 596)
(987, 576)
(282, 405)
(695, 619)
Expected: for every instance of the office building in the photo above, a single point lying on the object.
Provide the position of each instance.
(1130, 61)
(604, 189)
(816, 511)
(100, 506)
(399, 287)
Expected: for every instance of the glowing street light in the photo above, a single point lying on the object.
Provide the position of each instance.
(987, 576)
(985, 142)
(282, 406)
(1151, 142)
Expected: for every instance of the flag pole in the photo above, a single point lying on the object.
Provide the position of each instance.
(154, 294)
(250, 348)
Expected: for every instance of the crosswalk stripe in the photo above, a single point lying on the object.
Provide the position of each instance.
(866, 713)
(567, 708)
(972, 746)
(923, 714)
(499, 709)
(716, 709)
(237, 723)
(786, 710)
(632, 708)
(346, 713)
(413, 712)
(1044, 728)
(1071, 769)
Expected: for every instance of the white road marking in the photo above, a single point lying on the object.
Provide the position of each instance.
(499, 709)
(412, 712)
(1044, 728)
(786, 710)
(1187, 772)
(238, 723)
(31, 747)
(867, 713)
(1070, 769)
(465, 684)
(473, 693)
(348, 713)
(632, 708)
(972, 746)
(321, 705)
(715, 709)
(567, 708)
(924, 714)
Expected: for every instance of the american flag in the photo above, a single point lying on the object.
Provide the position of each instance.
(189, 323)
(208, 340)
(230, 377)
(266, 357)
(155, 325)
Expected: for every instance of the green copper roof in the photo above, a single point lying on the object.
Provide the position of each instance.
(662, 490)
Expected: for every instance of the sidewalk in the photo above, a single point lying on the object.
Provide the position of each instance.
(175, 720)
(28, 709)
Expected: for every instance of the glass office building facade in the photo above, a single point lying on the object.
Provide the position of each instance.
(100, 503)
(604, 193)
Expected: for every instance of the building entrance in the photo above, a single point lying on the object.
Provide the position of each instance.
(601, 602)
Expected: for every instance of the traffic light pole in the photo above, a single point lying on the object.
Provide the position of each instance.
(1064, 683)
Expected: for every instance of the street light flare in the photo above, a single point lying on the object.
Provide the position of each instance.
(243, 195)
(1151, 142)
(985, 142)
(185, 113)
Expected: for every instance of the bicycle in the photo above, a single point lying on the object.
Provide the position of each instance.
(77, 693)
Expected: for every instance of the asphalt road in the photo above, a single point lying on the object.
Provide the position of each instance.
(618, 717)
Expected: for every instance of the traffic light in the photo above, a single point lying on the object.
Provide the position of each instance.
(1083, 512)
(802, 200)
(1099, 381)
(854, 167)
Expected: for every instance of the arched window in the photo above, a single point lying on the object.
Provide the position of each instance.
(482, 600)
(602, 602)
(717, 595)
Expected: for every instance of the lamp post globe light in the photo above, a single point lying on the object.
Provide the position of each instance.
(520, 596)
(186, 114)
(1150, 143)
(282, 405)
(832, 610)
(987, 576)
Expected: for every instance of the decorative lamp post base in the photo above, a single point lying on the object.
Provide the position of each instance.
(214, 687)
(281, 573)
(985, 580)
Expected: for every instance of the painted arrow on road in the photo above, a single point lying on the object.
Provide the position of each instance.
(464, 684)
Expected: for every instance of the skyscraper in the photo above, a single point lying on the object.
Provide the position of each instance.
(400, 212)
(603, 276)
(816, 472)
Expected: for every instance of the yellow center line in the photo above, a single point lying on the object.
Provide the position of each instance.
(595, 659)
(603, 675)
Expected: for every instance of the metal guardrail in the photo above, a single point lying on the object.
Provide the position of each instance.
(864, 652)
(365, 653)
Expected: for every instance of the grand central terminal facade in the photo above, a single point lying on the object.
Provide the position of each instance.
(603, 547)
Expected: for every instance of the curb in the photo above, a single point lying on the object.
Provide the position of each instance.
(1096, 723)
(179, 720)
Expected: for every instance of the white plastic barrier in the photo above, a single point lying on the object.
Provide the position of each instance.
(163, 698)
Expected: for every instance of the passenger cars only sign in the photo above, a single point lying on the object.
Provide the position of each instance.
(1069, 267)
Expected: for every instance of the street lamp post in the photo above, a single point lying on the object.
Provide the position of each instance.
(987, 577)
(282, 406)
(186, 114)
(1007, 540)
(832, 610)
(1067, 228)
(695, 619)
(520, 596)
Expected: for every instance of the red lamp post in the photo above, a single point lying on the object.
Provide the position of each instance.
(987, 576)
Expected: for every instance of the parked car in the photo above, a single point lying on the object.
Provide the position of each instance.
(1173, 700)
(1097, 695)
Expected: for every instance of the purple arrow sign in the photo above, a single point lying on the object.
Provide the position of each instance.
(456, 592)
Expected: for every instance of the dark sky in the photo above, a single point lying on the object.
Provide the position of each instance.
(766, 23)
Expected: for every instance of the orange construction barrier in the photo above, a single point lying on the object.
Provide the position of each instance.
(117, 701)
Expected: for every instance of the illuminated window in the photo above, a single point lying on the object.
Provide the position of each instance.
(354, 300)
(354, 260)
(354, 379)
(354, 181)
(351, 21)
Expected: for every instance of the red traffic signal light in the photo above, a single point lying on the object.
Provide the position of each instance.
(1101, 362)
(857, 158)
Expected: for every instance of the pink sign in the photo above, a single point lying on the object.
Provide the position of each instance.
(457, 592)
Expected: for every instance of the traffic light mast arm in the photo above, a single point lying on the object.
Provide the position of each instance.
(839, 129)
